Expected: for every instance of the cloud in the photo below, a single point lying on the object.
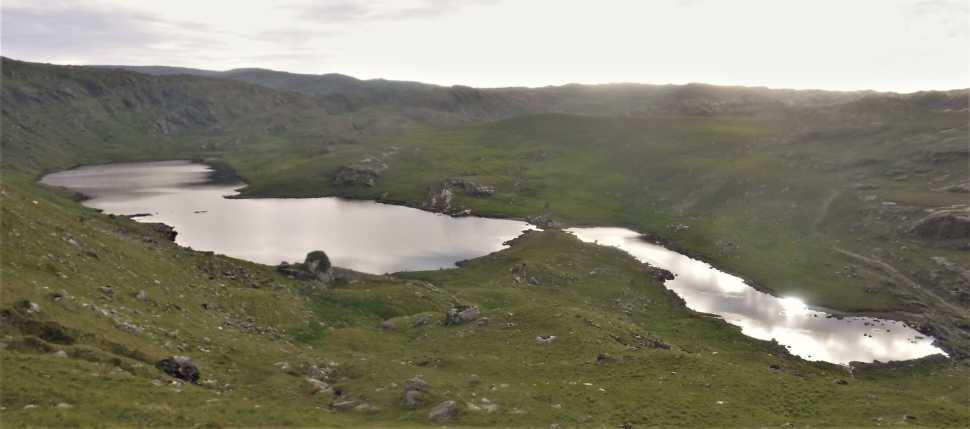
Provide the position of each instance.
(951, 15)
(64, 30)
(371, 10)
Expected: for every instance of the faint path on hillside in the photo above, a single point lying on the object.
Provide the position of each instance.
(823, 211)
(893, 272)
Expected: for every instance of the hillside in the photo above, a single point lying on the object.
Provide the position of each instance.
(91, 303)
(346, 93)
(833, 197)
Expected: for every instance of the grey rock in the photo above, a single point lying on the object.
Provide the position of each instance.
(344, 405)
(180, 367)
(443, 412)
(31, 307)
(412, 399)
(943, 225)
(317, 386)
(388, 325)
(546, 339)
(359, 174)
(416, 384)
(460, 314)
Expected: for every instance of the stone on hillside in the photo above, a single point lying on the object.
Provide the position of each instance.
(473, 380)
(472, 188)
(659, 274)
(180, 367)
(545, 339)
(438, 200)
(316, 266)
(317, 386)
(344, 405)
(60, 295)
(141, 296)
(317, 373)
(166, 231)
(358, 174)
(544, 221)
(31, 307)
(416, 384)
(388, 325)
(943, 225)
(412, 399)
(443, 412)
(460, 314)
(60, 354)
(317, 262)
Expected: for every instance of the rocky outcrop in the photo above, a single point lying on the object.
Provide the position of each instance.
(316, 266)
(180, 367)
(471, 187)
(362, 173)
(438, 200)
(358, 175)
(461, 314)
(943, 225)
(415, 390)
(443, 412)
(544, 221)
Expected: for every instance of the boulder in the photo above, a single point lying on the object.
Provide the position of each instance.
(344, 405)
(472, 188)
(317, 386)
(166, 231)
(317, 263)
(316, 266)
(180, 367)
(545, 339)
(359, 174)
(943, 225)
(443, 412)
(544, 221)
(438, 200)
(412, 399)
(416, 384)
(460, 314)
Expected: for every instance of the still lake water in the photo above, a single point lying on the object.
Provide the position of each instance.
(379, 238)
(361, 235)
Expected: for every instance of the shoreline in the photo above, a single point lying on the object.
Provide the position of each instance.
(221, 172)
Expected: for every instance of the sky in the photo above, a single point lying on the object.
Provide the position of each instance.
(887, 45)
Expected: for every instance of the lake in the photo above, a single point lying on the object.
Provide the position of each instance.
(360, 235)
(382, 238)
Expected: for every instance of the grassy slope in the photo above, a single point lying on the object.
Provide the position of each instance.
(645, 173)
(784, 200)
(593, 298)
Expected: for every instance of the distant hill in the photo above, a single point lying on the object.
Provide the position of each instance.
(342, 93)
(54, 114)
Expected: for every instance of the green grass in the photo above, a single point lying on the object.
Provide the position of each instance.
(108, 376)
(761, 183)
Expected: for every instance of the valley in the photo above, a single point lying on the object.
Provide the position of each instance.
(854, 202)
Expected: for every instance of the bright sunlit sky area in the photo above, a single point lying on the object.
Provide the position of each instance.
(889, 45)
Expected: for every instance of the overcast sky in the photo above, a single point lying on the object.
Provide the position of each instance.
(894, 45)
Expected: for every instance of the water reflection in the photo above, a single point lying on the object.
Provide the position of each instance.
(361, 235)
(806, 332)
(378, 238)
